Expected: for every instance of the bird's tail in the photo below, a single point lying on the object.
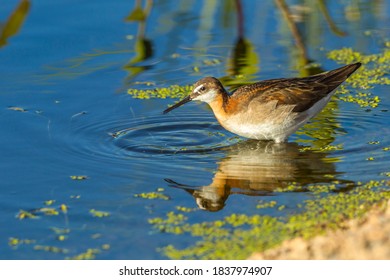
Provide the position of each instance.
(335, 77)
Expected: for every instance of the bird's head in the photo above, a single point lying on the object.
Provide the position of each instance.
(205, 90)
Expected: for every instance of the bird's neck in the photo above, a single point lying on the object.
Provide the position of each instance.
(220, 105)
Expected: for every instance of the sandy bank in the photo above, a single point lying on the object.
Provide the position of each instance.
(365, 238)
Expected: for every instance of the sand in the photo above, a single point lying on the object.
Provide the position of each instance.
(359, 239)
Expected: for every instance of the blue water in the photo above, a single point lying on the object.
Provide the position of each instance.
(69, 66)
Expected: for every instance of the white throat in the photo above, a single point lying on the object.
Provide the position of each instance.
(206, 97)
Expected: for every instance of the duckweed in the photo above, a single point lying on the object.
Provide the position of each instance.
(49, 202)
(325, 148)
(291, 187)
(60, 231)
(58, 234)
(51, 249)
(185, 209)
(373, 72)
(237, 236)
(281, 207)
(174, 91)
(64, 208)
(25, 215)
(211, 62)
(269, 204)
(62, 237)
(316, 189)
(14, 242)
(89, 254)
(99, 214)
(153, 195)
(48, 211)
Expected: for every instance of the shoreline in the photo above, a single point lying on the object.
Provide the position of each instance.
(362, 238)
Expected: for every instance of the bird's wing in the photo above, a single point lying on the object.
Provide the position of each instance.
(302, 93)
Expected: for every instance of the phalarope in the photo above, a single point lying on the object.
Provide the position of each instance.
(270, 109)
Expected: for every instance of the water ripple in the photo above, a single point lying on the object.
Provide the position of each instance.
(114, 140)
(172, 135)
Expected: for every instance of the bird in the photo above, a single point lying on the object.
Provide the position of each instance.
(271, 109)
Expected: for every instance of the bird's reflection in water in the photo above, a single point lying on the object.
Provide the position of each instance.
(257, 168)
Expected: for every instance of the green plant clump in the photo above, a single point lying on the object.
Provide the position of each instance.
(174, 91)
(373, 72)
(237, 236)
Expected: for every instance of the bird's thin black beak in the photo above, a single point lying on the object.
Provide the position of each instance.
(178, 104)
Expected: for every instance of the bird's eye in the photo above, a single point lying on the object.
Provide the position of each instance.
(203, 88)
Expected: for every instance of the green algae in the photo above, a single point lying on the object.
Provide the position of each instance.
(60, 231)
(174, 91)
(49, 202)
(46, 211)
(185, 209)
(268, 204)
(237, 236)
(51, 249)
(326, 148)
(58, 235)
(62, 237)
(15, 242)
(89, 254)
(326, 188)
(23, 214)
(99, 214)
(373, 72)
(153, 195)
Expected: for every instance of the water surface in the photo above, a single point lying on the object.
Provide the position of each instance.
(66, 70)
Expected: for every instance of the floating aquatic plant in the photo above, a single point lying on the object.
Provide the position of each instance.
(174, 91)
(52, 249)
(153, 195)
(14, 242)
(237, 235)
(373, 72)
(99, 214)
